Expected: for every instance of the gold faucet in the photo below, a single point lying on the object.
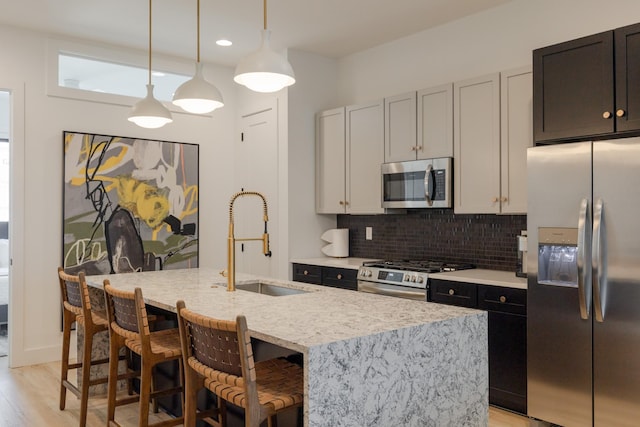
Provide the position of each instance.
(231, 241)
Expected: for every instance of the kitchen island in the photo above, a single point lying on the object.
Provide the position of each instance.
(369, 360)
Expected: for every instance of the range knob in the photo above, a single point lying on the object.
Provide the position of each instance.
(413, 278)
(407, 278)
(420, 279)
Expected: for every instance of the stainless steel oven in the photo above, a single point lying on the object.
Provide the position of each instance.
(404, 279)
(417, 184)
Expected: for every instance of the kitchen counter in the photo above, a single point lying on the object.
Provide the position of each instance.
(352, 263)
(368, 359)
(506, 279)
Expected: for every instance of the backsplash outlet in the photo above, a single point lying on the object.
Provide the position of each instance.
(488, 241)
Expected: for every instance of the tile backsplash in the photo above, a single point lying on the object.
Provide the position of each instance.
(488, 241)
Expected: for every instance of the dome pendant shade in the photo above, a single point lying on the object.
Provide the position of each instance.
(264, 70)
(149, 112)
(197, 95)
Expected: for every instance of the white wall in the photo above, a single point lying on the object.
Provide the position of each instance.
(315, 90)
(494, 40)
(35, 319)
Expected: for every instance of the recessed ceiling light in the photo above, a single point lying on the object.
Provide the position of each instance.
(224, 42)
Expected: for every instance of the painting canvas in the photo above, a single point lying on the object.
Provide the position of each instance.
(130, 204)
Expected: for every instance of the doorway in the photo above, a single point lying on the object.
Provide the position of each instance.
(4, 223)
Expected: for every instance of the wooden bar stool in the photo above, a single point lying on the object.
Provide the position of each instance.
(129, 327)
(218, 355)
(76, 307)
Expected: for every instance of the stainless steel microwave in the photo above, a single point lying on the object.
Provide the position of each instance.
(417, 183)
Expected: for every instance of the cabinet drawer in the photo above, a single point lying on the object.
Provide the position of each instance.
(503, 300)
(307, 273)
(344, 278)
(453, 293)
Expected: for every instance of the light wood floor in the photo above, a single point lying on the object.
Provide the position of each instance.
(29, 397)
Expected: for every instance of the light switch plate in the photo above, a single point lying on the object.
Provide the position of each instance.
(368, 233)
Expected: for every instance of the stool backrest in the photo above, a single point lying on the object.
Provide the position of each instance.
(223, 346)
(74, 293)
(127, 313)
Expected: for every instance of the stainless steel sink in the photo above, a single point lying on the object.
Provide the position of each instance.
(268, 289)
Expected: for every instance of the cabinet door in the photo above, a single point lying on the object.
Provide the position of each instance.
(435, 122)
(330, 161)
(365, 154)
(573, 89)
(477, 145)
(627, 51)
(400, 127)
(516, 136)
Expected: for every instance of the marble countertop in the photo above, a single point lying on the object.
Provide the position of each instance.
(506, 279)
(319, 316)
(353, 263)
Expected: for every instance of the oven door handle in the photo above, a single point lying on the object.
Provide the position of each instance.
(372, 288)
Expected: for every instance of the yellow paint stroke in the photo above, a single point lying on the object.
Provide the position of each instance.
(143, 201)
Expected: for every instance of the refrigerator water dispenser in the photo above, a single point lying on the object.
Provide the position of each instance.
(557, 256)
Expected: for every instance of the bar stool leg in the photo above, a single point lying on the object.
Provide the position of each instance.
(145, 391)
(86, 376)
(68, 320)
(114, 351)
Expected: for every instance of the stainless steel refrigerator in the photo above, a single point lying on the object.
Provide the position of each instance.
(583, 325)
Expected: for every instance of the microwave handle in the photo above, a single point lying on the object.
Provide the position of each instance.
(428, 180)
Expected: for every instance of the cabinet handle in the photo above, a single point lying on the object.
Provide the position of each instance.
(341, 203)
(452, 292)
(346, 203)
(495, 200)
(503, 299)
(419, 148)
(504, 199)
(339, 276)
(305, 272)
(620, 112)
(414, 148)
(606, 115)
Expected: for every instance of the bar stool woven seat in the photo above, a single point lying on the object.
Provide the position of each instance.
(218, 356)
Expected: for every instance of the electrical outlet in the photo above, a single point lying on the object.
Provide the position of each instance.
(368, 233)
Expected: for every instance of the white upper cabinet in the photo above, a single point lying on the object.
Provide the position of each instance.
(477, 145)
(330, 161)
(492, 131)
(419, 125)
(435, 122)
(349, 152)
(516, 136)
(365, 155)
(400, 137)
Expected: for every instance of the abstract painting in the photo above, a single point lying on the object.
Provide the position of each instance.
(129, 204)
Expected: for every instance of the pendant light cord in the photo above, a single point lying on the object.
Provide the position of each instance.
(265, 14)
(149, 41)
(198, 34)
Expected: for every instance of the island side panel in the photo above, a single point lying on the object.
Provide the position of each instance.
(428, 375)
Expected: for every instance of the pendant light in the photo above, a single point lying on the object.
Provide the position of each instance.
(149, 112)
(197, 95)
(264, 70)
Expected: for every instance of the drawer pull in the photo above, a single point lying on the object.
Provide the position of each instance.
(452, 292)
(305, 273)
(620, 113)
(503, 299)
(339, 276)
(606, 115)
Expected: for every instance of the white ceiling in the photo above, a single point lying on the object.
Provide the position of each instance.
(333, 28)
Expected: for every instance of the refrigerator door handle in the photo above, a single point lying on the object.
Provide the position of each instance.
(599, 273)
(583, 263)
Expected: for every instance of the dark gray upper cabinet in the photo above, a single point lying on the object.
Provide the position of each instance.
(588, 88)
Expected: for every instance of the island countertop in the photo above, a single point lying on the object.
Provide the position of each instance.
(368, 359)
(319, 316)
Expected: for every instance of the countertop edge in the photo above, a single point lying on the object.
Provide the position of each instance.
(349, 262)
(505, 279)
